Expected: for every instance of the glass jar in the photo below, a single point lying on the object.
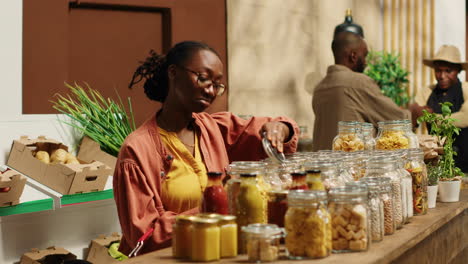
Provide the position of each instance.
(314, 180)
(215, 199)
(262, 242)
(205, 239)
(368, 132)
(277, 206)
(391, 136)
(351, 167)
(388, 205)
(328, 172)
(228, 236)
(348, 138)
(376, 209)
(412, 137)
(298, 181)
(386, 166)
(278, 175)
(407, 185)
(417, 168)
(308, 225)
(350, 220)
(182, 237)
(251, 205)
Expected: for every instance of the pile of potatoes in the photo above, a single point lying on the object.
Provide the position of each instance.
(58, 156)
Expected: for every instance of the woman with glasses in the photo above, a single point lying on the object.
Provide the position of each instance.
(162, 166)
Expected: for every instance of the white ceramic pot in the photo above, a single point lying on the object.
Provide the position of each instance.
(449, 191)
(432, 196)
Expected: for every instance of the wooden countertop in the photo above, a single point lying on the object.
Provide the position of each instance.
(388, 250)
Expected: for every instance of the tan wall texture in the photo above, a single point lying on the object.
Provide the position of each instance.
(278, 50)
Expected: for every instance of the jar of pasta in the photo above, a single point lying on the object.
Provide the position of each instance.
(205, 239)
(417, 168)
(376, 209)
(367, 134)
(277, 206)
(308, 225)
(262, 242)
(348, 138)
(391, 136)
(350, 219)
(182, 237)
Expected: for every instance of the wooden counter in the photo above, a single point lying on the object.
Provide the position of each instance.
(440, 236)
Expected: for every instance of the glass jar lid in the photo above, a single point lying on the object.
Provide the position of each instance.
(272, 152)
(263, 230)
(201, 221)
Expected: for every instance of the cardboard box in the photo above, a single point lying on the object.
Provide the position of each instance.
(11, 187)
(91, 151)
(99, 247)
(63, 178)
(47, 256)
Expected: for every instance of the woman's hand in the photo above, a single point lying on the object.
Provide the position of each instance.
(276, 133)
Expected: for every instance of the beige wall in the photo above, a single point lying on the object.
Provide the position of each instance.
(278, 52)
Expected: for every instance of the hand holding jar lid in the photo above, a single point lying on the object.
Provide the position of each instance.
(274, 135)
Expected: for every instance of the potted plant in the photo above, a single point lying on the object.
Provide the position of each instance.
(434, 172)
(441, 125)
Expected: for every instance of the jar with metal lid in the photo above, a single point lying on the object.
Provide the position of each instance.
(367, 132)
(386, 166)
(329, 173)
(308, 225)
(215, 199)
(412, 137)
(350, 220)
(182, 236)
(205, 239)
(228, 233)
(262, 242)
(391, 136)
(277, 206)
(348, 138)
(417, 168)
(376, 209)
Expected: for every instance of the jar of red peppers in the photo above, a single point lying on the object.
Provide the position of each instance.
(298, 181)
(214, 196)
(417, 168)
(277, 207)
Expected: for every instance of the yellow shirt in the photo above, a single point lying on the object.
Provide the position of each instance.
(184, 185)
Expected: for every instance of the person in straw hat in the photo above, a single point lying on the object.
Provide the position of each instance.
(447, 64)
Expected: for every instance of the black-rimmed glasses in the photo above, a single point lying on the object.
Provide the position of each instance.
(205, 82)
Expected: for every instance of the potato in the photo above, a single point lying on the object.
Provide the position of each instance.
(59, 156)
(43, 156)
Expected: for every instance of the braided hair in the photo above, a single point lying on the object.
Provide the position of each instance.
(154, 68)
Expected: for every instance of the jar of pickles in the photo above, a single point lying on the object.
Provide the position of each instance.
(308, 225)
(376, 209)
(391, 136)
(348, 138)
(262, 242)
(417, 168)
(277, 206)
(367, 132)
(205, 231)
(182, 237)
(251, 203)
(350, 220)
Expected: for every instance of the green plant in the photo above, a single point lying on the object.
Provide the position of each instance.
(103, 120)
(392, 78)
(434, 173)
(441, 125)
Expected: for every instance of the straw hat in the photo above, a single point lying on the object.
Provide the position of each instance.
(448, 53)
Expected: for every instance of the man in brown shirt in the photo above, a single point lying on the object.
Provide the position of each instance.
(346, 94)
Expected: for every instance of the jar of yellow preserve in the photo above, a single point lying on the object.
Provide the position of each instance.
(228, 226)
(205, 239)
(182, 236)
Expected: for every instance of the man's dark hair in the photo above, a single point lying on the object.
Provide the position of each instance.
(345, 42)
(154, 68)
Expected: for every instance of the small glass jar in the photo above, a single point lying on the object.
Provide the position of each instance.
(314, 180)
(328, 172)
(262, 242)
(388, 205)
(298, 181)
(417, 168)
(376, 209)
(412, 137)
(228, 236)
(205, 239)
(350, 220)
(391, 136)
(182, 237)
(351, 167)
(277, 206)
(367, 132)
(215, 199)
(278, 175)
(348, 138)
(308, 225)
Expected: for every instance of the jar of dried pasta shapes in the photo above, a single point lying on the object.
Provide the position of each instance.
(308, 225)
(348, 138)
(391, 136)
(350, 218)
(417, 168)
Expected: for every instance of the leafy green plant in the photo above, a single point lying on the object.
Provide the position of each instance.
(103, 120)
(392, 78)
(441, 125)
(434, 173)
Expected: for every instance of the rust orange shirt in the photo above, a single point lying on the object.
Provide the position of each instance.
(144, 162)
